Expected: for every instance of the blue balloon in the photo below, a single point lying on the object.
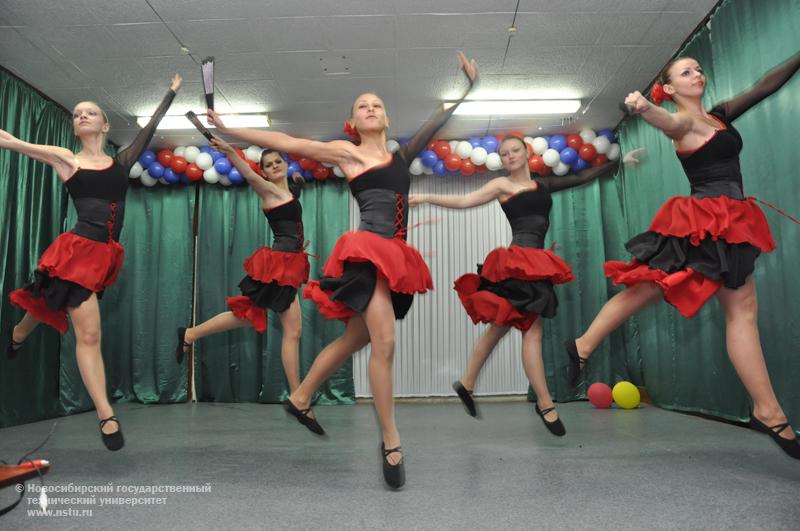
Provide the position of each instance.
(557, 142)
(439, 168)
(580, 165)
(223, 166)
(308, 176)
(185, 179)
(216, 155)
(547, 137)
(569, 156)
(429, 158)
(235, 177)
(608, 133)
(475, 141)
(489, 143)
(293, 168)
(156, 170)
(170, 176)
(206, 149)
(147, 158)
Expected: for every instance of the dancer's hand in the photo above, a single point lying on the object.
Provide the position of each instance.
(414, 200)
(215, 120)
(221, 145)
(298, 177)
(177, 81)
(637, 103)
(631, 158)
(469, 66)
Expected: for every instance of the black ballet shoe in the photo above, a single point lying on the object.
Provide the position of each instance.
(556, 427)
(466, 398)
(113, 441)
(790, 446)
(182, 344)
(13, 346)
(576, 363)
(302, 417)
(394, 475)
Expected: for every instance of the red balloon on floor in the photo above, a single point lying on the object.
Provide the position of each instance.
(600, 395)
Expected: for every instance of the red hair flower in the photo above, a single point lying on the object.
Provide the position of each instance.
(658, 95)
(351, 131)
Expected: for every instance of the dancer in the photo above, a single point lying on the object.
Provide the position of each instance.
(273, 274)
(705, 244)
(76, 268)
(372, 274)
(514, 285)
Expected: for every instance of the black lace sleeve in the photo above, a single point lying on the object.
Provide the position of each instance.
(421, 138)
(296, 187)
(128, 156)
(766, 86)
(556, 184)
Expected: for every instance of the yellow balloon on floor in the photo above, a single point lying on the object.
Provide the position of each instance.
(626, 395)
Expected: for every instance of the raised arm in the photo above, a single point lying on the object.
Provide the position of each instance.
(588, 175)
(296, 183)
(488, 192)
(418, 142)
(260, 185)
(766, 86)
(674, 124)
(61, 159)
(128, 156)
(335, 152)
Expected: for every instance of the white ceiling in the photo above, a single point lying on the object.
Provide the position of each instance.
(270, 56)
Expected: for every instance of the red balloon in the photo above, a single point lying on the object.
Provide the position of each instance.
(178, 164)
(500, 137)
(255, 167)
(320, 173)
(292, 157)
(452, 162)
(530, 148)
(467, 167)
(432, 144)
(536, 164)
(599, 160)
(587, 152)
(600, 395)
(574, 141)
(307, 164)
(193, 173)
(165, 156)
(481, 169)
(442, 149)
(241, 153)
(516, 133)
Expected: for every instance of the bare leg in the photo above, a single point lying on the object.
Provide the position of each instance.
(480, 353)
(24, 328)
(86, 322)
(744, 350)
(615, 312)
(222, 322)
(534, 368)
(292, 324)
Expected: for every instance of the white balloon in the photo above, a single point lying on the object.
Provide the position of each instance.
(191, 154)
(204, 161)
(587, 135)
(551, 157)
(613, 152)
(337, 171)
(253, 153)
(493, 162)
(601, 144)
(540, 145)
(211, 176)
(561, 169)
(328, 164)
(162, 180)
(528, 140)
(392, 145)
(464, 149)
(478, 156)
(136, 171)
(147, 180)
(416, 166)
(180, 151)
(427, 170)
(224, 181)
(453, 146)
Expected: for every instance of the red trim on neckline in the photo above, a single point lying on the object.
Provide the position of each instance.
(279, 205)
(375, 167)
(686, 153)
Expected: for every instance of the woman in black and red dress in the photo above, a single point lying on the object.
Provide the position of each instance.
(76, 268)
(273, 274)
(705, 244)
(514, 285)
(371, 276)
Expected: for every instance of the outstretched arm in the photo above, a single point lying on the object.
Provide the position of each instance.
(260, 185)
(128, 156)
(61, 159)
(588, 175)
(674, 124)
(418, 142)
(766, 86)
(483, 195)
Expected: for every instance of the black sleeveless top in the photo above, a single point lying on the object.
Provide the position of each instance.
(382, 196)
(713, 168)
(99, 198)
(528, 213)
(286, 223)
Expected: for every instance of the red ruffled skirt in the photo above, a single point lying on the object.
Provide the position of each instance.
(513, 287)
(693, 247)
(350, 273)
(272, 280)
(69, 271)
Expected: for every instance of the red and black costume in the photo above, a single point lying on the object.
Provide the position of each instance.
(697, 244)
(514, 285)
(274, 274)
(87, 259)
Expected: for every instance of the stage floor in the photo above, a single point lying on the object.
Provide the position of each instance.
(248, 466)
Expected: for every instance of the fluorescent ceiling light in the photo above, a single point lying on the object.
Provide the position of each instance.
(230, 120)
(514, 107)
